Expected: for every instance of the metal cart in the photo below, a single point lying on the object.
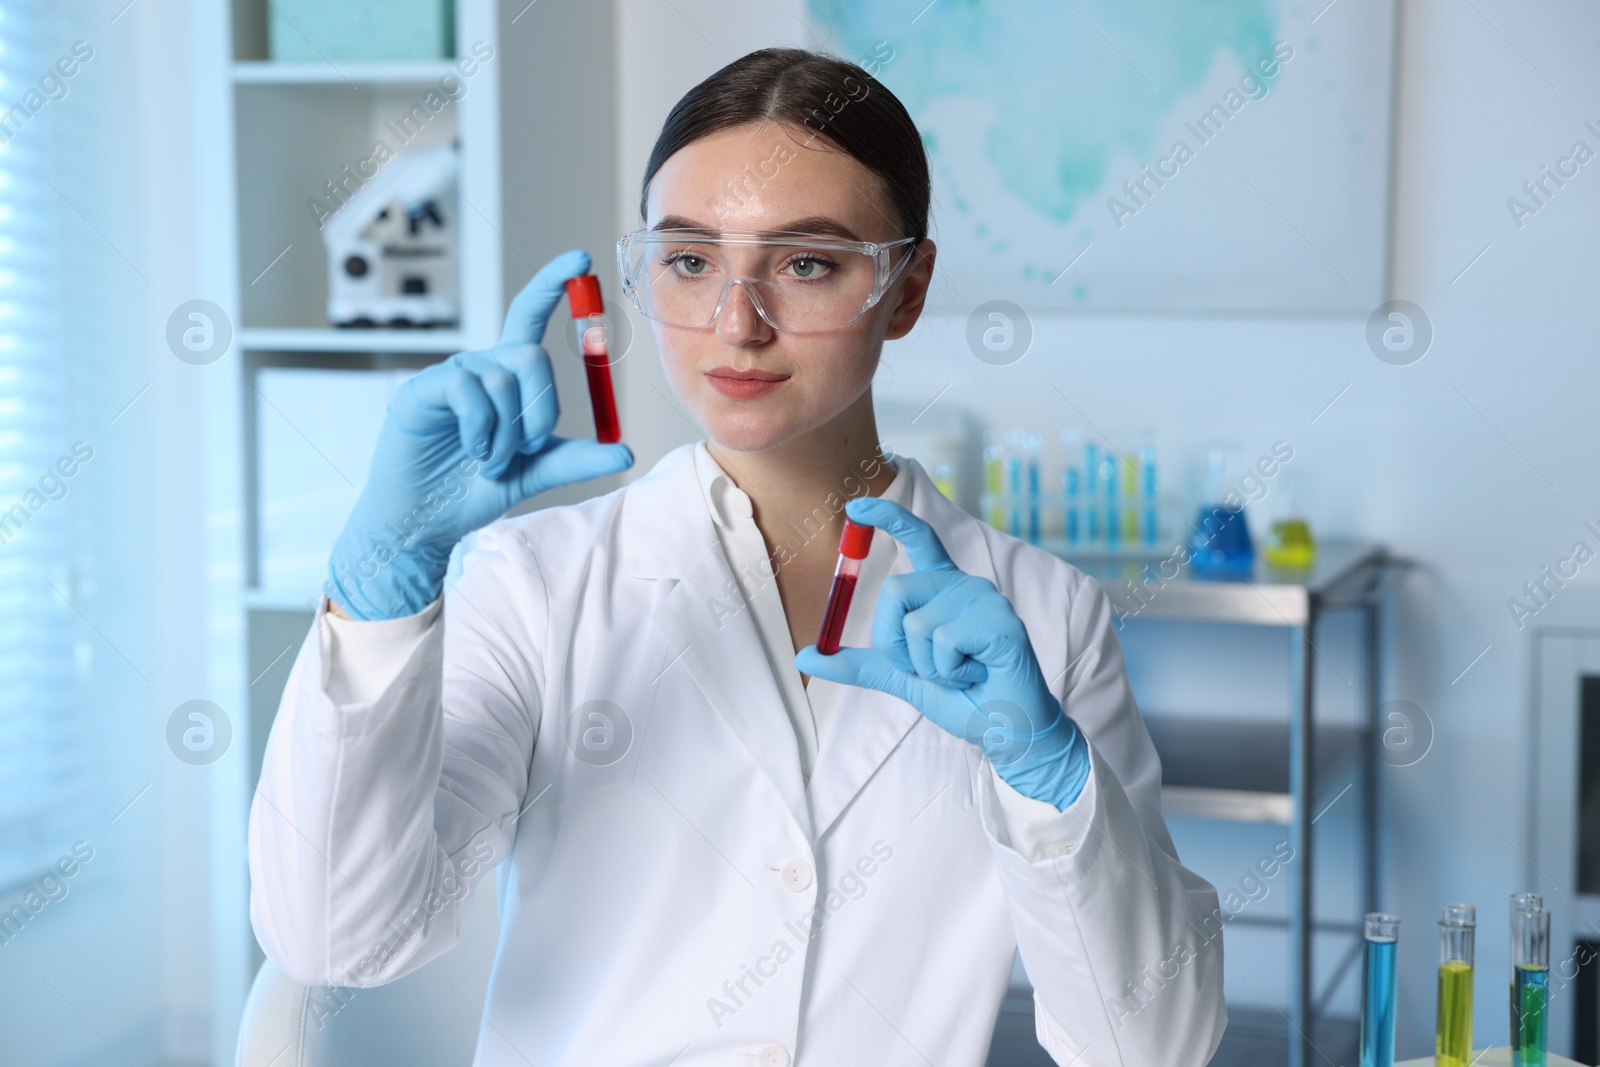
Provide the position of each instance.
(1274, 773)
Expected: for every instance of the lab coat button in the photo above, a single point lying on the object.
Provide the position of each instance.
(1057, 848)
(796, 878)
(774, 1055)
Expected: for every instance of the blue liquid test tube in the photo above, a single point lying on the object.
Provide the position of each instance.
(1091, 474)
(1014, 491)
(1381, 934)
(1033, 496)
(1147, 464)
(1108, 473)
(1069, 483)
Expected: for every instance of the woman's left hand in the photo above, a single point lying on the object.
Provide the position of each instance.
(949, 644)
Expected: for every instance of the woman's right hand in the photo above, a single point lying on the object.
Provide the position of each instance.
(463, 442)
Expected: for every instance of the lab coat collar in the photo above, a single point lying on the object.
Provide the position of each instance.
(666, 532)
(665, 527)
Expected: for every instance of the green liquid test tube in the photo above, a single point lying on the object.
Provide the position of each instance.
(1531, 932)
(1453, 1033)
(1520, 902)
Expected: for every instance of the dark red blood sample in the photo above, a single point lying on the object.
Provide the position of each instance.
(583, 296)
(833, 616)
(602, 400)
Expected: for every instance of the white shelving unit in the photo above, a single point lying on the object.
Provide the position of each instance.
(298, 127)
(534, 180)
(266, 72)
(295, 126)
(302, 339)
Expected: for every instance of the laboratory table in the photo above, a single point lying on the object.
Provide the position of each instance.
(1280, 772)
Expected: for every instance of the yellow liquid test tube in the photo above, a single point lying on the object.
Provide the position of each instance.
(992, 457)
(1130, 493)
(1453, 1045)
(1453, 1034)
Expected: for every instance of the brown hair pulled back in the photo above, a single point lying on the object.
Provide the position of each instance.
(832, 97)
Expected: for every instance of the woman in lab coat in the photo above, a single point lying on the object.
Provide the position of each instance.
(716, 845)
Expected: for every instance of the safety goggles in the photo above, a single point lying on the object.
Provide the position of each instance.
(797, 282)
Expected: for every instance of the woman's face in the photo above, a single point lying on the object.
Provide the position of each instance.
(817, 376)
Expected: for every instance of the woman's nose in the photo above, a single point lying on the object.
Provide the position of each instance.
(739, 321)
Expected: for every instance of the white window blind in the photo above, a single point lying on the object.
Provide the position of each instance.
(42, 771)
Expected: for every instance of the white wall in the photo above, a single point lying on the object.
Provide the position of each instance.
(1449, 461)
(558, 84)
(1516, 337)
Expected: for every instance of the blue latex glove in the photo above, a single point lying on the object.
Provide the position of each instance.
(463, 442)
(949, 644)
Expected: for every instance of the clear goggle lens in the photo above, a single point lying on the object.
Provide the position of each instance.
(797, 283)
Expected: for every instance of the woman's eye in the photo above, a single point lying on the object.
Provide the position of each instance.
(809, 266)
(687, 262)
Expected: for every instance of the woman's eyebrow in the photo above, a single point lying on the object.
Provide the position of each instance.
(679, 222)
(820, 224)
(817, 224)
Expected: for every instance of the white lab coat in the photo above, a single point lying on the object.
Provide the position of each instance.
(676, 893)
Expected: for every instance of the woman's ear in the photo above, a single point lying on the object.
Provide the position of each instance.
(913, 289)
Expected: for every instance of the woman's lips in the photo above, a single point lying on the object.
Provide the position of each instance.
(744, 385)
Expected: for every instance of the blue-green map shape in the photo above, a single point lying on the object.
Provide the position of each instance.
(1071, 82)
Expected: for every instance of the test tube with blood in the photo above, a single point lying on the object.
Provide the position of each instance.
(853, 546)
(583, 296)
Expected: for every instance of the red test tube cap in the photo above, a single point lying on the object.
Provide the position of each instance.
(583, 294)
(856, 540)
